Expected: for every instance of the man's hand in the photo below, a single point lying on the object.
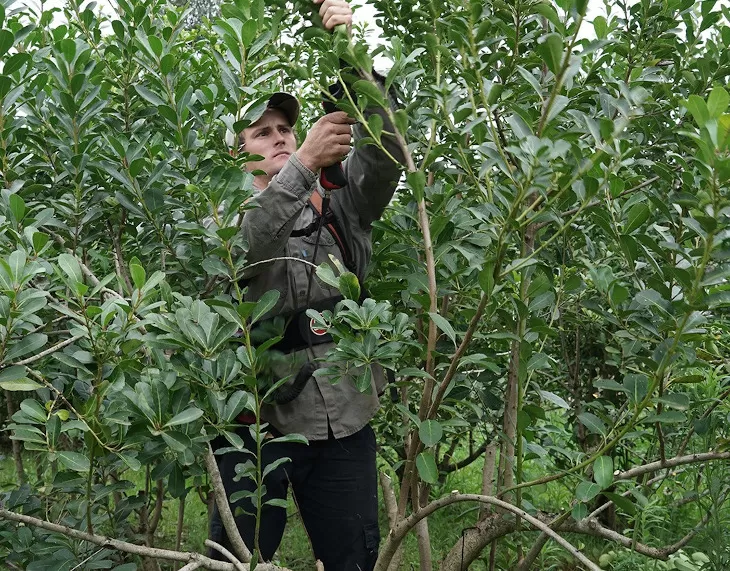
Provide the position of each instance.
(327, 141)
(334, 13)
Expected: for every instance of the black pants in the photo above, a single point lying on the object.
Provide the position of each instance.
(335, 486)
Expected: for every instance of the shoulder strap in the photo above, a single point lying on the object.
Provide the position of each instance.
(332, 225)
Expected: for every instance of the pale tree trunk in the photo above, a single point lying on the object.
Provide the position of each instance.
(17, 446)
(424, 538)
(490, 457)
(391, 508)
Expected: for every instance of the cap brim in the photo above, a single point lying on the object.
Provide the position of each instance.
(287, 104)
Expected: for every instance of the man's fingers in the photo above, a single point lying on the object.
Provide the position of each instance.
(340, 117)
(334, 13)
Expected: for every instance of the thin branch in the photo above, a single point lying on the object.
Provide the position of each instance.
(117, 544)
(224, 508)
(671, 463)
(227, 554)
(49, 351)
(191, 566)
(397, 534)
(594, 528)
(456, 359)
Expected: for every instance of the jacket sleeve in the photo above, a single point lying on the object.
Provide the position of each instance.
(371, 175)
(268, 227)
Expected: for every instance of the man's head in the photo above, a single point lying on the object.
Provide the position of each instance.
(272, 137)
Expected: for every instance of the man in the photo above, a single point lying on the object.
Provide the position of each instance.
(333, 478)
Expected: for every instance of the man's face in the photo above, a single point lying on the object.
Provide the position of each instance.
(271, 137)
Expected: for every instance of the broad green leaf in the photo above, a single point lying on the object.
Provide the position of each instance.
(594, 424)
(550, 49)
(176, 482)
(6, 41)
(74, 461)
(678, 401)
(349, 286)
(717, 102)
(638, 214)
(138, 275)
(264, 305)
(430, 432)
(579, 511)
(177, 441)
(327, 275)
(586, 491)
(370, 91)
(417, 183)
(603, 471)
(697, 106)
(185, 417)
(621, 502)
(427, 469)
(17, 206)
(33, 410)
(636, 387)
(27, 344)
(668, 417)
(443, 324)
(71, 267)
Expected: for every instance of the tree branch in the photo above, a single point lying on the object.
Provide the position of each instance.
(227, 554)
(397, 535)
(117, 544)
(224, 507)
(594, 528)
(49, 351)
(671, 463)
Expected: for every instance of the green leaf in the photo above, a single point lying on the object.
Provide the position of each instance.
(138, 275)
(177, 441)
(427, 469)
(698, 108)
(327, 275)
(603, 471)
(717, 102)
(679, 401)
(444, 326)
(24, 345)
(33, 410)
(579, 512)
(550, 49)
(39, 241)
(621, 502)
(586, 491)
(264, 305)
(638, 214)
(594, 424)
(71, 267)
(430, 432)
(7, 38)
(486, 278)
(185, 417)
(349, 286)
(17, 206)
(417, 183)
(74, 461)
(370, 91)
(668, 417)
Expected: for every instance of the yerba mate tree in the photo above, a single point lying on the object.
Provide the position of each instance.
(549, 286)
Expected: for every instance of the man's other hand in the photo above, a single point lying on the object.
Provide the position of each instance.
(334, 13)
(327, 141)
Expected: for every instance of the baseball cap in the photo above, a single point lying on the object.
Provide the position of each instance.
(287, 104)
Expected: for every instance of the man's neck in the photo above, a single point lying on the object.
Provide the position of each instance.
(261, 181)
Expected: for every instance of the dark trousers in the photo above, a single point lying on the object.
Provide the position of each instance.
(334, 484)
